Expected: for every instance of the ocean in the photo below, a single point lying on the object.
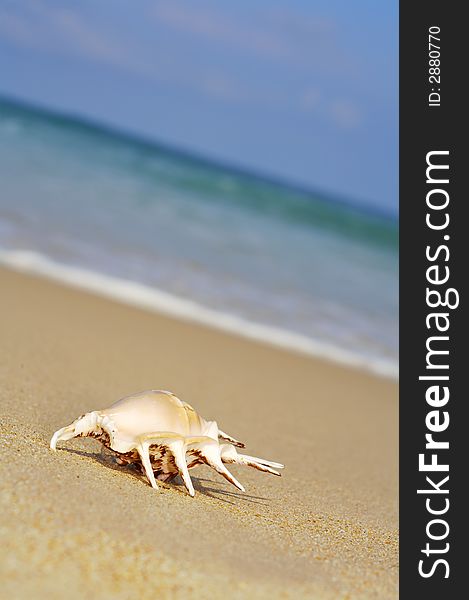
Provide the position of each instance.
(158, 228)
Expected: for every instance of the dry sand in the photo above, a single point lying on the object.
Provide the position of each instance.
(73, 525)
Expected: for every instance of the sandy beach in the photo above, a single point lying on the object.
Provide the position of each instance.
(74, 525)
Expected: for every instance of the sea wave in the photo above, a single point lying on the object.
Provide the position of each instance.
(150, 298)
(163, 165)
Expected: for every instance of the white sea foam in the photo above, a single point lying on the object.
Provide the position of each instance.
(153, 299)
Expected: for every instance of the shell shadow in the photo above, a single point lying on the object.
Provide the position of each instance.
(107, 461)
(202, 485)
(212, 490)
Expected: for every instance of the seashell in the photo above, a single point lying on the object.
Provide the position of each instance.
(164, 436)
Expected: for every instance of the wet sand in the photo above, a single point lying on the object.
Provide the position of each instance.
(73, 523)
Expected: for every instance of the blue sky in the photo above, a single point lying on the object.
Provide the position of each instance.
(301, 90)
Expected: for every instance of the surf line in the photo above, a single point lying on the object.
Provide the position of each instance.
(440, 300)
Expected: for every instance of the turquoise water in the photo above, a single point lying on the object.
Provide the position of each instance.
(87, 201)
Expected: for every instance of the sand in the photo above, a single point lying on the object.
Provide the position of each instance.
(74, 525)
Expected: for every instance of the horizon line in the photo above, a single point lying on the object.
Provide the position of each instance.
(201, 159)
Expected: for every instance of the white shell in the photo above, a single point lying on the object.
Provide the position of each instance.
(165, 435)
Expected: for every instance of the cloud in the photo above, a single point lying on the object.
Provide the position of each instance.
(165, 50)
(59, 30)
(217, 27)
(64, 31)
(84, 39)
(341, 112)
(272, 34)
